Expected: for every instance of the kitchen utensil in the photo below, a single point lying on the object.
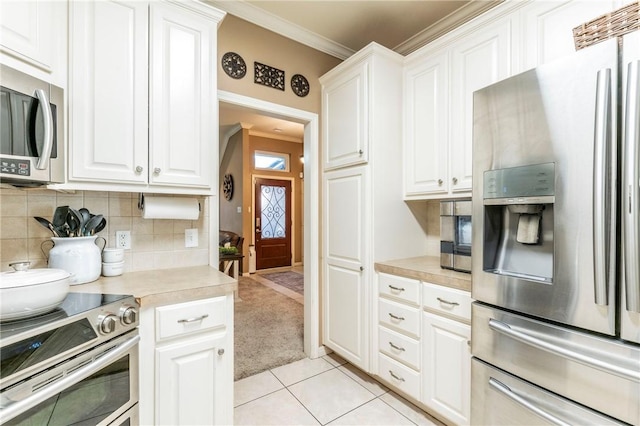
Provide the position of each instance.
(85, 215)
(28, 292)
(101, 226)
(60, 216)
(45, 223)
(90, 226)
(74, 220)
(80, 256)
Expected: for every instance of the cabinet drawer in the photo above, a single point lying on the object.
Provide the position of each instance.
(401, 288)
(399, 316)
(399, 347)
(190, 317)
(400, 376)
(449, 301)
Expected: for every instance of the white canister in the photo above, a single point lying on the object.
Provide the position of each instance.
(112, 269)
(80, 256)
(112, 255)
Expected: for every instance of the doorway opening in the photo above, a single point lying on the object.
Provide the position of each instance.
(272, 219)
(311, 189)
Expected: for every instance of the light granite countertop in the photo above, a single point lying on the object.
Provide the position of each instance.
(164, 286)
(426, 268)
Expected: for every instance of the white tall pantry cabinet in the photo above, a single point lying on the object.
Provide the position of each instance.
(364, 217)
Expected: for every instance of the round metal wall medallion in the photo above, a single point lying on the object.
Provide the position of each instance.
(227, 186)
(300, 85)
(234, 65)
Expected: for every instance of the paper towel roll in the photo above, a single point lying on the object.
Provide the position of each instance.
(170, 208)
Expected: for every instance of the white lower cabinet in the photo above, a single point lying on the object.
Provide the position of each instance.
(446, 375)
(186, 368)
(423, 345)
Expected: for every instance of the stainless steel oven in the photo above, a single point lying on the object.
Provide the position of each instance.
(75, 365)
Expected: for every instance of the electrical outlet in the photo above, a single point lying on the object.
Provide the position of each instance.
(123, 239)
(191, 237)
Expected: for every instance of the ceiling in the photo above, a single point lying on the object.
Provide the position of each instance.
(341, 28)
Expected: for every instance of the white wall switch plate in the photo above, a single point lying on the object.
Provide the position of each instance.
(123, 239)
(191, 237)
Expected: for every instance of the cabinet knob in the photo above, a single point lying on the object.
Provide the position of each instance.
(455, 180)
(361, 268)
(139, 169)
(157, 170)
(440, 182)
(361, 152)
(220, 351)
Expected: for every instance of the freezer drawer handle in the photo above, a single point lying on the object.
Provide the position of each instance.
(625, 373)
(506, 391)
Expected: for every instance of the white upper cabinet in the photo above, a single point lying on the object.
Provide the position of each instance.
(143, 109)
(547, 27)
(426, 124)
(482, 58)
(33, 38)
(183, 84)
(109, 91)
(439, 82)
(345, 108)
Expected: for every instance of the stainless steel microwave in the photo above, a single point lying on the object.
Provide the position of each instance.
(455, 235)
(31, 130)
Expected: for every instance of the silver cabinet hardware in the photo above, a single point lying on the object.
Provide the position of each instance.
(361, 268)
(396, 317)
(396, 288)
(440, 182)
(220, 351)
(361, 152)
(396, 377)
(139, 169)
(397, 348)
(195, 319)
(455, 180)
(446, 302)
(157, 170)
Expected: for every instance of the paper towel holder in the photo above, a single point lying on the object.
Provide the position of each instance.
(141, 203)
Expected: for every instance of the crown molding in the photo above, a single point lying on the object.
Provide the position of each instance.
(453, 20)
(273, 23)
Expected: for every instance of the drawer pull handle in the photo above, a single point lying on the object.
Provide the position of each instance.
(396, 377)
(200, 318)
(396, 317)
(396, 288)
(398, 348)
(446, 302)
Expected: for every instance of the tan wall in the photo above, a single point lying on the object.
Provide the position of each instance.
(155, 244)
(230, 219)
(256, 44)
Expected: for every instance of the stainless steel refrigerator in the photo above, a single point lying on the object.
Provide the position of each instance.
(555, 273)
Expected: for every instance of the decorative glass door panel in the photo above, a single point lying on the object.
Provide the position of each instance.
(272, 223)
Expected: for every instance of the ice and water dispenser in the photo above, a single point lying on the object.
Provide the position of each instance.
(518, 222)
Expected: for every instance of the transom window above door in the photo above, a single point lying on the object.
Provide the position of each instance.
(271, 161)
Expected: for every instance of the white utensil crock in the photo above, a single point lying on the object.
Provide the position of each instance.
(80, 256)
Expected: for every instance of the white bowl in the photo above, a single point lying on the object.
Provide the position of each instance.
(112, 269)
(112, 255)
(31, 292)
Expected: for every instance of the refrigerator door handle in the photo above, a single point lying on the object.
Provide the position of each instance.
(506, 391)
(602, 222)
(572, 354)
(631, 185)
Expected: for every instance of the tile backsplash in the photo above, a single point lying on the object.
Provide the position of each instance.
(155, 243)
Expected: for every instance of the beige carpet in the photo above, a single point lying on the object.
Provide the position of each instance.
(268, 329)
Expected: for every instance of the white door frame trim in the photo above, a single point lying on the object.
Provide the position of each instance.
(312, 345)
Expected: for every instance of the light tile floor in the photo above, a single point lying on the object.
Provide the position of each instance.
(321, 391)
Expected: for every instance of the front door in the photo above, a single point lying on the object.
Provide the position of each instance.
(272, 223)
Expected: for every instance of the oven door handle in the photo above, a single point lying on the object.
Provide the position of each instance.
(16, 408)
(506, 391)
(568, 353)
